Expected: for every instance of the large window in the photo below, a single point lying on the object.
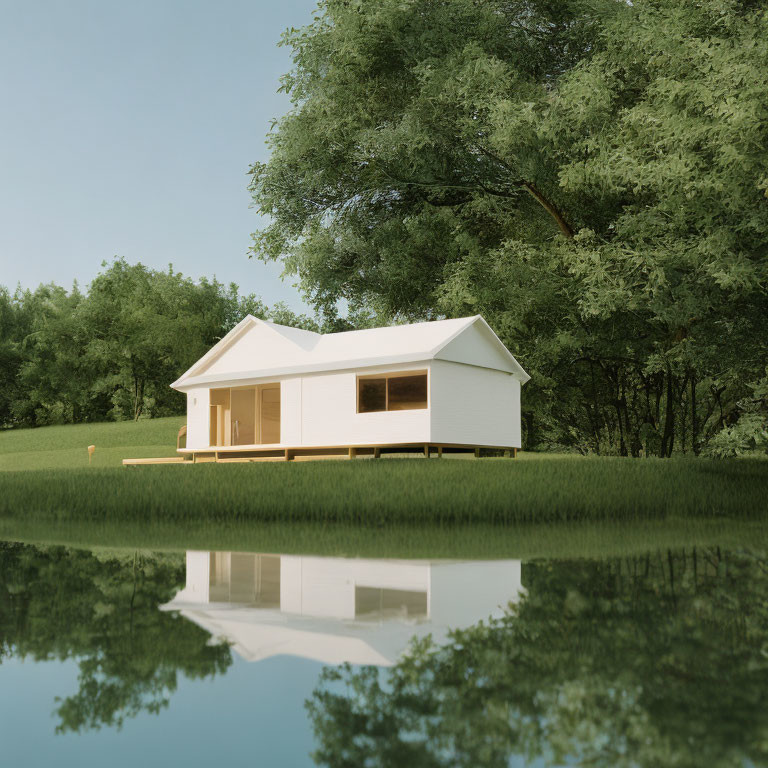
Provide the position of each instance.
(392, 392)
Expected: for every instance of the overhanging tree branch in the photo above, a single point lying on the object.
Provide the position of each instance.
(550, 208)
(534, 191)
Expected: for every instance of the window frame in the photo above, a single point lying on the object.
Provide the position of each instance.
(387, 376)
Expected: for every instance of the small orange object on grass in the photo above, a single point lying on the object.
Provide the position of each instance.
(91, 449)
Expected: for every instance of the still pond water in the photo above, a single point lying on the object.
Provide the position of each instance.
(122, 658)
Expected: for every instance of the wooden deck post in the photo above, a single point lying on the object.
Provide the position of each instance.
(352, 453)
(477, 453)
(377, 453)
(514, 453)
(426, 451)
(439, 451)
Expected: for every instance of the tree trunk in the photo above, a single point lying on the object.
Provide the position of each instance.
(529, 441)
(138, 397)
(596, 408)
(668, 438)
(618, 406)
(694, 420)
(683, 415)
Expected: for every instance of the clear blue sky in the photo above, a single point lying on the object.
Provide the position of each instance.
(127, 128)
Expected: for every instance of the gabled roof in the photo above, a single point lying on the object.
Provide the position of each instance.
(277, 350)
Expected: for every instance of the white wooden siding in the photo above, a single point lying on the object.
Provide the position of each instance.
(290, 412)
(197, 418)
(329, 413)
(474, 406)
(259, 344)
(475, 346)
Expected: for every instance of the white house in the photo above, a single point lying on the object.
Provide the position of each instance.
(271, 390)
(336, 610)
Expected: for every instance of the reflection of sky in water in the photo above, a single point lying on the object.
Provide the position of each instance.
(254, 711)
(318, 610)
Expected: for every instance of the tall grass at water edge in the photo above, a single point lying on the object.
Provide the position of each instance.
(45, 477)
(402, 492)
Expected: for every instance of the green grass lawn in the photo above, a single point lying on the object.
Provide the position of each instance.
(66, 447)
(45, 479)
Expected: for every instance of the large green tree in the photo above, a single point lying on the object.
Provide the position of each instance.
(590, 176)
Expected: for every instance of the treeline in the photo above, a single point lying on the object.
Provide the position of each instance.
(110, 353)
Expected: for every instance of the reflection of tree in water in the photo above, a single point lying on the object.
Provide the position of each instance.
(102, 609)
(639, 661)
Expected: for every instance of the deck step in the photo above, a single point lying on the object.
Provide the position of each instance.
(249, 460)
(320, 457)
(158, 460)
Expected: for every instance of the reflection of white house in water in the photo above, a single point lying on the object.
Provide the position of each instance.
(337, 610)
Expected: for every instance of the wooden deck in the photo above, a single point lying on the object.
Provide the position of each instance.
(253, 454)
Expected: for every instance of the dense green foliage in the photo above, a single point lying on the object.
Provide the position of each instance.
(590, 176)
(653, 660)
(102, 609)
(66, 356)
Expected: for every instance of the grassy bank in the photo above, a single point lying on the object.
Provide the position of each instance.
(46, 479)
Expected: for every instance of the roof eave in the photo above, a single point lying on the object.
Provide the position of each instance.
(215, 350)
(295, 370)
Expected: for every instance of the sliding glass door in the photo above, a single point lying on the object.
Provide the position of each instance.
(270, 414)
(245, 415)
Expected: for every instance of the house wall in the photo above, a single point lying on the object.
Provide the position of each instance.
(251, 349)
(475, 406)
(329, 412)
(321, 410)
(467, 404)
(290, 411)
(477, 346)
(197, 418)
